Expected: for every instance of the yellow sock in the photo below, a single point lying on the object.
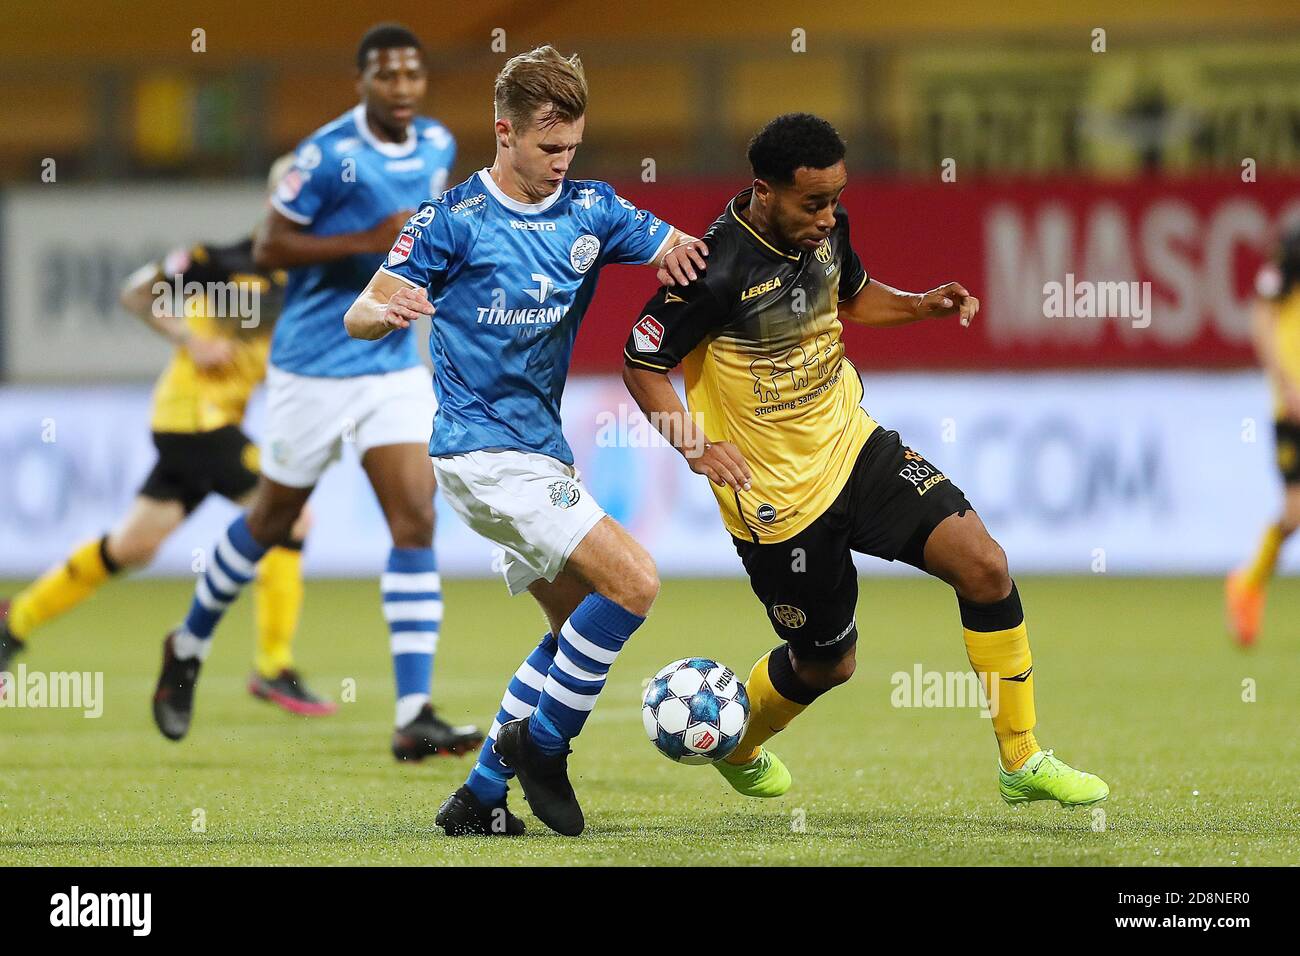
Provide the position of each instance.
(277, 595)
(1006, 668)
(1261, 568)
(59, 589)
(770, 712)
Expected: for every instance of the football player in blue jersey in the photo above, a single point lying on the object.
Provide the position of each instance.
(335, 213)
(506, 263)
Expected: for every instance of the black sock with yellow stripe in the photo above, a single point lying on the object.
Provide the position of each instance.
(776, 696)
(997, 644)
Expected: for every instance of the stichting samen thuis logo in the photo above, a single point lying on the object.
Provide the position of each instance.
(564, 494)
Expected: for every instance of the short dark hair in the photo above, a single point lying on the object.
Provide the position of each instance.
(385, 36)
(790, 141)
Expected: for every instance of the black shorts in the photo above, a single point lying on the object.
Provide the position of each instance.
(892, 501)
(192, 465)
(1287, 445)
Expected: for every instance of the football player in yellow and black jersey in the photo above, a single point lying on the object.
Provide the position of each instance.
(802, 473)
(198, 407)
(1275, 329)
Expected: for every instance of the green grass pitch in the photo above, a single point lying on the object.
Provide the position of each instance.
(1135, 681)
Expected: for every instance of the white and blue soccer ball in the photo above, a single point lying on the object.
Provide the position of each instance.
(695, 710)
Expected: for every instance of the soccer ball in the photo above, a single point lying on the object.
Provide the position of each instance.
(695, 710)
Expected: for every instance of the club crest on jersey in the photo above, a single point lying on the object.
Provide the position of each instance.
(583, 252)
(401, 250)
(824, 252)
(648, 334)
(564, 494)
(787, 615)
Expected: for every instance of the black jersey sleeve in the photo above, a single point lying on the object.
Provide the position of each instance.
(853, 275)
(673, 322)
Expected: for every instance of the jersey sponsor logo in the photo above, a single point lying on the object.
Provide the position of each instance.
(544, 288)
(648, 334)
(470, 203)
(401, 250)
(423, 217)
(583, 252)
(654, 226)
(586, 198)
(922, 475)
(672, 297)
(797, 365)
(787, 615)
(308, 157)
(532, 226)
(624, 203)
(853, 622)
(761, 288)
(564, 494)
(487, 316)
(824, 252)
(766, 513)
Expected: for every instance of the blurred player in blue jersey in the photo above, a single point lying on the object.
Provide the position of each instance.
(507, 263)
(333, 216)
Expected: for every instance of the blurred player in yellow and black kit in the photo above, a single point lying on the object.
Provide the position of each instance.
(1275, 329)
(803, 475)
(198, 407)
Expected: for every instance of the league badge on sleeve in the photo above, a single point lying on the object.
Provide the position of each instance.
(401, 250)
(648, 334)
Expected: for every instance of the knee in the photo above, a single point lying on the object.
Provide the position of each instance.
(640, 585)
(413, 526)
(271, 525)
(985, 577)
(823, 675)
(131, 551)
(302, 526)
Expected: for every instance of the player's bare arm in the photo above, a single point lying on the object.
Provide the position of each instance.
(387, 303)
(281, 243)
(138, 296)
(719, 461)
(882, 306)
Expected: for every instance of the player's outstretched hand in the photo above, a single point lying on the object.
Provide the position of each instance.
(723, 464)
(406, 306)
(680, 263)
(386, 232)
(948, 300)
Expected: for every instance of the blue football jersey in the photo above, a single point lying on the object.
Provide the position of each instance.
(346, 180)
(510, 282)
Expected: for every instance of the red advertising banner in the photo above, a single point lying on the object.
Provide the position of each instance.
(1070, 273)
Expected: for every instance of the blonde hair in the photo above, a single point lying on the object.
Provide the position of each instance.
(541, 80)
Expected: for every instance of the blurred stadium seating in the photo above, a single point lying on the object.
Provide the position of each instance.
(1119, 165)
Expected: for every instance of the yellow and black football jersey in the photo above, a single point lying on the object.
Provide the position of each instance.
(187, 399)
(758, 336)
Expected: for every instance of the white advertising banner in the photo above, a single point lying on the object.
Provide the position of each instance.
(1077, 473)
(68, 249)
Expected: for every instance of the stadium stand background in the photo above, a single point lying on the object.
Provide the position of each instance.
(1122, 165)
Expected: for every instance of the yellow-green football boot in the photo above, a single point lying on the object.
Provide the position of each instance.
(764, 776)
(1045, 777)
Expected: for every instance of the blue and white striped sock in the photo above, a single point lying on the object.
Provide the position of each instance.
(589, 643)
(412, 591)
(489, 777)
(231, 564)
